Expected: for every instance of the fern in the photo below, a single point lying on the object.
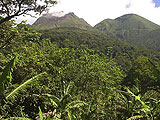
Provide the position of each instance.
(24, 85)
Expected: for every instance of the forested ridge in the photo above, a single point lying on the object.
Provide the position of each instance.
(135, 29)
(108, 45)
(68, 73)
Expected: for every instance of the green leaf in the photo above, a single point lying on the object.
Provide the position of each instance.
(40, 113)
(53, 103)
(55, 100)
(69, 87)
(24, 85)
(137, 117)
(6, 77)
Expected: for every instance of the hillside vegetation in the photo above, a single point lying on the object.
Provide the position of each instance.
(132, 28)
(72, 73)
(109, 45)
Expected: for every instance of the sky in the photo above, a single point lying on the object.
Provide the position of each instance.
(94, 11)
(157, 3)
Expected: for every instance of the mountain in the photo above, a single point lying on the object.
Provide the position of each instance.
(151, 40)
(130, 27)
(69, 31)
(49, 21)
(108, 45)
(126, 22)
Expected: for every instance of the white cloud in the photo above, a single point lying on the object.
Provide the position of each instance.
(94, 11)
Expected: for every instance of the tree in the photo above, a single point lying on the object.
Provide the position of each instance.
(13, 8)
(144, 74)
(9, 34)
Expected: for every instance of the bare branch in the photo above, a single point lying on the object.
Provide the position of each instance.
(7, 9)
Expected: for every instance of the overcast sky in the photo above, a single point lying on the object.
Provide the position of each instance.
(94, 11)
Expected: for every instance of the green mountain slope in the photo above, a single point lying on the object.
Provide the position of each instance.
(67, 34)
(109, 45)
(69, 20)
(151, 40)
(130, 27)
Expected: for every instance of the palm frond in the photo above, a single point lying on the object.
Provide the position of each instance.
(24, 85)
(65, 97)
(54, 103)
(137, 117)
(55, 100)
(17, 118)
(138, 98)
(69, 87)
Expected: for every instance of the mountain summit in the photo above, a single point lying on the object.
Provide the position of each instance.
(56, 20)
(125, 23)
(130, 27)
(134, 29)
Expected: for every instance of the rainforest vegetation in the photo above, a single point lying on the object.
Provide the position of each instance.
(73, 74)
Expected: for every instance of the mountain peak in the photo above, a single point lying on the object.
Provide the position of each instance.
(130, 16)
(60, 19)
(126, 22)
(130, 27)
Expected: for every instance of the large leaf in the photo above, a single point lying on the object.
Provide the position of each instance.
(54, 100)
(24, 85)
(6, 77)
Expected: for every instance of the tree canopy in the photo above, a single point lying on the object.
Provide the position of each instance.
(73, 74)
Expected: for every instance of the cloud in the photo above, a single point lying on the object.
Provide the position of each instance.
(94, 11)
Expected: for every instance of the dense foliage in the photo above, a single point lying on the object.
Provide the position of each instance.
(68, 74)
(110, 46)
